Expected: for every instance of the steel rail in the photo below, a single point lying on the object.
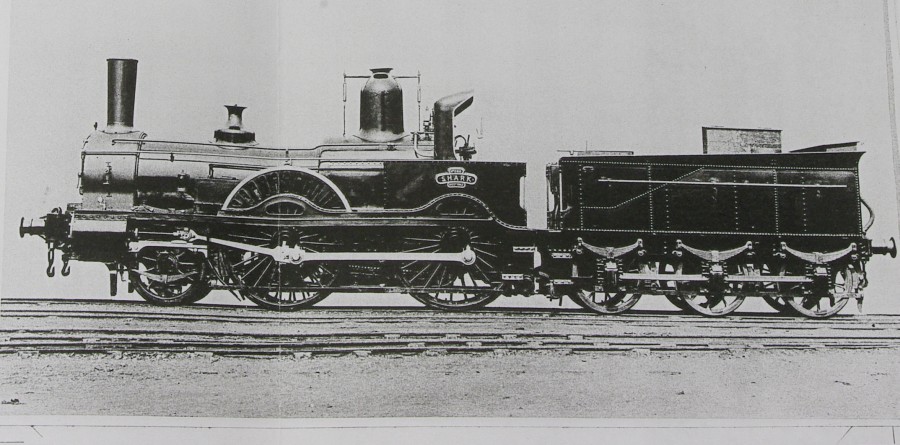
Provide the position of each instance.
(46, 307)
(324, 316)
(328, 332)
(401, 343)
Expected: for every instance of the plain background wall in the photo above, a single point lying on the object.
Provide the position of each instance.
(615, 75)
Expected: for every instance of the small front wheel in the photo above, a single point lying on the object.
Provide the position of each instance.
(169, 277)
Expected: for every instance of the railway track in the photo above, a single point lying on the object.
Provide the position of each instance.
(43, 326)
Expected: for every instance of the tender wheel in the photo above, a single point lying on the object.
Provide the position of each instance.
(712, 304)
(678, 302)
(577, 301)
(702, 300)
(605, 302)
(780, 305)
(456, 287)
(281, 286)
(668, 268)
(169, 277)
(829, 304)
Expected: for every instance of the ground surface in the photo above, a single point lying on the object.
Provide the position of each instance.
(755, 375)
(758, 384)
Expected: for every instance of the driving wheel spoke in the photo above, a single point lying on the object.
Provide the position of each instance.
(462, 287)
(276, 285)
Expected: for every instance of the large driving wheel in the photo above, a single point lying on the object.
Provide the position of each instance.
(281, 286)
(452, 286)
(285, 192)
(169, 277)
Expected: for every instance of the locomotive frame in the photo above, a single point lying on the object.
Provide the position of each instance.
(391, 211)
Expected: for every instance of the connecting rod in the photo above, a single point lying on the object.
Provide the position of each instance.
(297, 255)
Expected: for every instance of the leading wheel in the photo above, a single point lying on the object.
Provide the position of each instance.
(452, 286)
(281, 286)
(830, 302)
(169, 277)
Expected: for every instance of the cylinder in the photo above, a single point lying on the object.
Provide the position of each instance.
(121, 84)
(381, 108)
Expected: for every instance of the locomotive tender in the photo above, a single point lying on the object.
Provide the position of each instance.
(410, 212)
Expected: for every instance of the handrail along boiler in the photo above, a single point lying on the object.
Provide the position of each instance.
(387, 210)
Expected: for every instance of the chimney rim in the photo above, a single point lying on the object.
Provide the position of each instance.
(381, 73)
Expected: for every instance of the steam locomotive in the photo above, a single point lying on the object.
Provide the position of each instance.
(389, 210)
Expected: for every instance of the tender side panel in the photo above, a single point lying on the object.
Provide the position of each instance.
(755, 207)
(833, 209)
(602, 205)
(686, 207)
(809, 194)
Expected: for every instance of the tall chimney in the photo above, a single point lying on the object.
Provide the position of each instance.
(381, 108)
(444, 111)
(121, 83)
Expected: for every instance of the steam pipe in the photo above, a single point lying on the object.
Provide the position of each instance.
(444, 111)
(121, 84)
